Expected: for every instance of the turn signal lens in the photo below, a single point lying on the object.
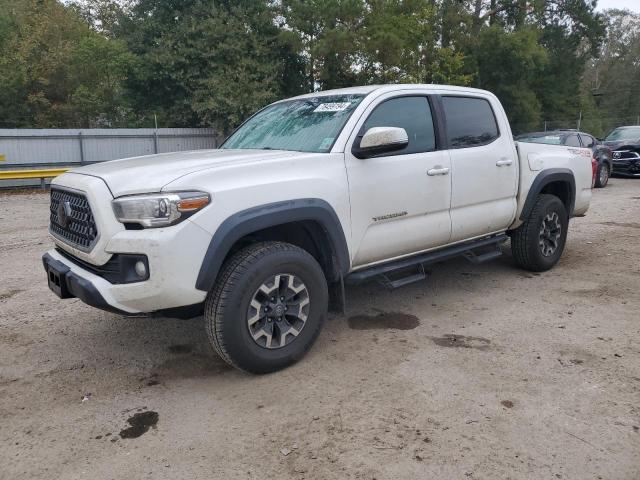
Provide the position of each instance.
(193, 204)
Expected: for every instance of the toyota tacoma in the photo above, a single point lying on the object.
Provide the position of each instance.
(309, 194)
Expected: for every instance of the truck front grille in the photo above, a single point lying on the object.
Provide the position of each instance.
(71, 219)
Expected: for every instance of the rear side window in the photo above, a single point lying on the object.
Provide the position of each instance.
(588, 141)
(572, 141)
(411, 113)
(470, 122)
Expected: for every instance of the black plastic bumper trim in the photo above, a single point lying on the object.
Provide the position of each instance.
(73, 285)
(120, 268)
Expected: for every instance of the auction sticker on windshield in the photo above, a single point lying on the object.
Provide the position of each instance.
(332, 107)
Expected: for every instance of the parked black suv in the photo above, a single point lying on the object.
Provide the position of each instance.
(573, 138)
(625, 144)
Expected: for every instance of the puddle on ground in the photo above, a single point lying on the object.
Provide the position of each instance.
(461, 341)
(382, 321)
(181, 349)
(621, 224)
(140, 424)
(194, 365)
(9, 294)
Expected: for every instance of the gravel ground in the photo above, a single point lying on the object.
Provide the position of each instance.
(481, 372)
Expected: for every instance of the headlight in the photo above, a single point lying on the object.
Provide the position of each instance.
(159, 209)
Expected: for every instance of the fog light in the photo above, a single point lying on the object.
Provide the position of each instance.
(140, 268)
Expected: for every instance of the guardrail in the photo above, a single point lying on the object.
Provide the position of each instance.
(42, 174)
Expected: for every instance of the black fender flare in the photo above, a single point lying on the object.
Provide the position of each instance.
(270, 215)
(543, 179)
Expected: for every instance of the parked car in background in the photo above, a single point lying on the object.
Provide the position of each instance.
(625, 144)
(573, 138)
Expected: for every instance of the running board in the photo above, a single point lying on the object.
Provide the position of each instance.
(401, 281)
(419, 261)
(473, 257)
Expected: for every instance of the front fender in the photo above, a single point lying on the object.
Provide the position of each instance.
(270, 215)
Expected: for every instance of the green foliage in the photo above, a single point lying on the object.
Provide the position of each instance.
(399, 44)
(57, 71)
(508, 65)
(207, 63)
(214, 62)
(612, 81)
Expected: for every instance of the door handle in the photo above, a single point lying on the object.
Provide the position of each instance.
(504, 161)
(438, 171)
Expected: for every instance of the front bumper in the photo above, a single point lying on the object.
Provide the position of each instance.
(68, 284)
(174, 258)
(628, 167)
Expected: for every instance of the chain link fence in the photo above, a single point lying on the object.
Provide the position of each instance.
(598, 126)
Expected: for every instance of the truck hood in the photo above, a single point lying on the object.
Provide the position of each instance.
(615, 144)
(152, 172)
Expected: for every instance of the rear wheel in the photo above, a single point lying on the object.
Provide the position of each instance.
(602, 176)
(538, 243)
(267, 307)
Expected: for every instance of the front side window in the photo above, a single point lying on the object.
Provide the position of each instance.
(411, 113)
(304, 125)
(470, 122)
(572, 141)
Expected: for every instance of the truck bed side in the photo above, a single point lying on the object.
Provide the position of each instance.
(540, 163)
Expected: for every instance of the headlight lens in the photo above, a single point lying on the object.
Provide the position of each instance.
(159, 209)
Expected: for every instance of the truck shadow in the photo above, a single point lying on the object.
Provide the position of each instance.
(174, 349)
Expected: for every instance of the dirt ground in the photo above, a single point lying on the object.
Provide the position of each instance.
(480, 372)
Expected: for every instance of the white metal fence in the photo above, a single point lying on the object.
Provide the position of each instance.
(42, 148)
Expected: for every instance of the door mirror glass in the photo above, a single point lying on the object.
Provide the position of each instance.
(379, 140)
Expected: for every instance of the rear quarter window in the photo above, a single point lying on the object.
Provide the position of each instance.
(470, 122)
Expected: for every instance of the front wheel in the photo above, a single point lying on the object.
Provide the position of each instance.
(538, 243)
(267, 307)
(602, 176)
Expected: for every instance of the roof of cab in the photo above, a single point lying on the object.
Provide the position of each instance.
(366, 89)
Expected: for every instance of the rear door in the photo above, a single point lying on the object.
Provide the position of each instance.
(484, 169)
(572, 140)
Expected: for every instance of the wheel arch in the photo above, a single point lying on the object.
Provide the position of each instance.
(555, 181)
(309, 223)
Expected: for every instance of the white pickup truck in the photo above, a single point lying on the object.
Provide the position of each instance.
(308, 194)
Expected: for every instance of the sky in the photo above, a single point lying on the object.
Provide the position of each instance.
(633, 5)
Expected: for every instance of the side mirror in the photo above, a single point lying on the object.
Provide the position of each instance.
(379, 140)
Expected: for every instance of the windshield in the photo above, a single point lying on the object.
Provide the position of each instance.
(541, 138)
(305, 125)
(632, 133)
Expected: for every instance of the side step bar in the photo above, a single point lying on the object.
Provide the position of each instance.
(419, 261)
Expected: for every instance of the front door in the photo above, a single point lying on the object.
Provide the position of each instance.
(400, 200)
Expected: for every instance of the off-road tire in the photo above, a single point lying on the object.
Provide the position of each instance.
(525, 240)
(228, 302)
(603, 171)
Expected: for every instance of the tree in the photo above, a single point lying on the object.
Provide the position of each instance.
(58, 72)
(508, 65)
(612, 79)
(399, 43)
(207, 62)
(214, 62)
(327, 34)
